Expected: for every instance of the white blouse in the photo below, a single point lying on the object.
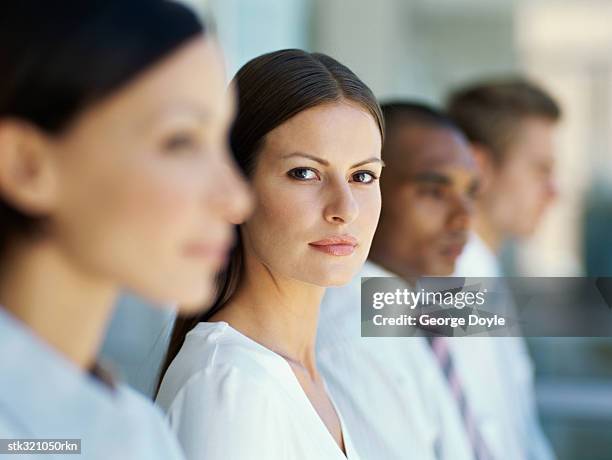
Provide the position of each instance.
(44, 396)
(228, 397)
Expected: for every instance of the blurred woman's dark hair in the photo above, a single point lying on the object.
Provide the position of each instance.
(60, 57)
(272, 88)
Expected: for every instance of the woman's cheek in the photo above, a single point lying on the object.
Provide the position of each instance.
(287, 204)
(369, 203)
(369, 214)
(166, 203)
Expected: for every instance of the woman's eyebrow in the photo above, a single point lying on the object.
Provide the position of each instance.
(369, 160)
(326, 163)
(306, 155)
(187, 108)
(200, 113)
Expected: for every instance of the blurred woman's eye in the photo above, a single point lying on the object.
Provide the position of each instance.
(545, 170)
(303, 174)
(179, 142)
(364, 177)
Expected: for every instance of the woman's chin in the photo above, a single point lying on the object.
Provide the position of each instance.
(188, 300)
(198, 302)
(334, 279)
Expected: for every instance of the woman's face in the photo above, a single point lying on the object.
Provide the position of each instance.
(146, 191)
(318, 196)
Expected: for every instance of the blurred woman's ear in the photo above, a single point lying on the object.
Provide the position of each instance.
(28, 180)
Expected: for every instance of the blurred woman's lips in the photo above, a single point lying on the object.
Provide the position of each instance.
(216, 253)
(340, 245)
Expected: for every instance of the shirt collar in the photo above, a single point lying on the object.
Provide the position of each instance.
(478, 260)
(39, 383)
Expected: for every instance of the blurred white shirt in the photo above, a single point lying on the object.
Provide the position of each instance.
(229, 398)
(477, 260)
(390, 390)
(44, 396)
(498, 375)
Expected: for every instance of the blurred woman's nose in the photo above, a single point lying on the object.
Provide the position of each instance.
(341, 206)
(233, 194)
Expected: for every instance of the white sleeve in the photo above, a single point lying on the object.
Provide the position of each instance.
(224, 414)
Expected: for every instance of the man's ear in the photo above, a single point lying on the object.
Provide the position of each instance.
(485, 165)
(28, 179)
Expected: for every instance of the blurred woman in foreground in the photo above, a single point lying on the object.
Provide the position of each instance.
(113, 173)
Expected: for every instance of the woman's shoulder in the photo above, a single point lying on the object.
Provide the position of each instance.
(230, 400)
(217, 357)
(219, 346)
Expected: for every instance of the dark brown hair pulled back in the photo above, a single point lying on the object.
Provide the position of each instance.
(272, 88)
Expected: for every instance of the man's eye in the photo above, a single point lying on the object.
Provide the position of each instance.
(473, 191)
(303, 174)
(433, 192)
(364, 177)
(179, 142)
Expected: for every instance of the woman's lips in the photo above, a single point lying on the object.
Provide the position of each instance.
(216, 253)
(336, 245)
(335, 249)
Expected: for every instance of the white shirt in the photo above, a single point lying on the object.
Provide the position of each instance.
(477, 260)
(229, 398)
(498, 375)
(391, 391)
(44, 396)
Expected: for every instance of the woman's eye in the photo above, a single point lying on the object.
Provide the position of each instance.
(303, 174)
(179, 142)
(364, 177)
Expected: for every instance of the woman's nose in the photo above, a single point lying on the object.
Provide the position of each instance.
(342, 207)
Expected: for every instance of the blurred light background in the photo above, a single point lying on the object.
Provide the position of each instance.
(420, 49)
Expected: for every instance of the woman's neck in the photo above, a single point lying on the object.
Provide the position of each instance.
(56, 301)
(280, 313)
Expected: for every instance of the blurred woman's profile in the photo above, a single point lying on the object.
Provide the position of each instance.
(114, 173)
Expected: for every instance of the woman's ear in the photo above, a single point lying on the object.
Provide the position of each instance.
(28, 179)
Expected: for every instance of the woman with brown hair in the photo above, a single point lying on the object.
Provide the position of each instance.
(245, 384)
(114, 174)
